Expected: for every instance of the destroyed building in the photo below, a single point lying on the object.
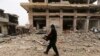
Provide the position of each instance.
(65, 14)
(3, 22)
(13, 22)
(8, 23)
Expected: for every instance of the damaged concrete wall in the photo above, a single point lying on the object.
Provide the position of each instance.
(4, 29)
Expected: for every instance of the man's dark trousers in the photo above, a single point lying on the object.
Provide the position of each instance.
(53, 45)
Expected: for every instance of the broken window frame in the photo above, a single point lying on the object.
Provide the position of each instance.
(82, 11)
(68, 19)
(37, 10)
(36, 20)
(54, 11)
(68, 11)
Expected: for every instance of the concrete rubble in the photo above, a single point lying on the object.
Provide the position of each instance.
(69, 44)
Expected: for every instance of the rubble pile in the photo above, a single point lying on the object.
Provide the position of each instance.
(69, 44)
(79, 44)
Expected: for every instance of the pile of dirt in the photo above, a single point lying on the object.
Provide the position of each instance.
(70, 44)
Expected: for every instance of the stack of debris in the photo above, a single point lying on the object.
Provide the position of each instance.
(70, 44)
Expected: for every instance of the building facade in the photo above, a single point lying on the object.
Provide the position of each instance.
(64, 14)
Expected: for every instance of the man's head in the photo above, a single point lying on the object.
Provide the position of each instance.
(52, 26)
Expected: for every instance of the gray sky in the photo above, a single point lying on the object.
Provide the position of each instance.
(13, 7)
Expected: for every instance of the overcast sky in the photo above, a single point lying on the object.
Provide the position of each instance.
(13, 7)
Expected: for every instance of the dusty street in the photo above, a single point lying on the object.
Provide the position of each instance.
(70, 44)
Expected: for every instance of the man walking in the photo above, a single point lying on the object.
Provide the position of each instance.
(52, 37)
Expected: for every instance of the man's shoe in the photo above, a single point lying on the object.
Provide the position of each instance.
(45, 53)
(56, 55)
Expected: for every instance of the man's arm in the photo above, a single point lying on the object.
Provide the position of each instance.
(47, 37)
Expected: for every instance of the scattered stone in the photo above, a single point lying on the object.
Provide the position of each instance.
(70, 44)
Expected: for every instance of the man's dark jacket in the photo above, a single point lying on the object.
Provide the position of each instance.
(52, 36)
